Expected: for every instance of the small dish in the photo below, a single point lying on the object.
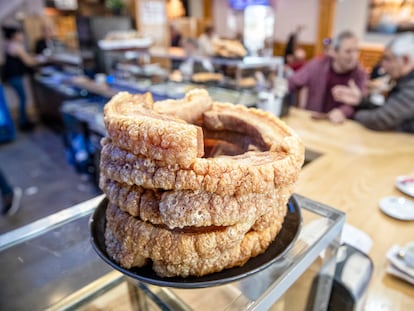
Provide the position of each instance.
(407, 254)
(394, 259)
(397, 207)
(405, 184)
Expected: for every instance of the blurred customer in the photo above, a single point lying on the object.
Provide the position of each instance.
(48, 43)
(322, 74)
(10, 197)
(397, 112)
(206, 41)
(7, 129)
(239, 37)
(17, 63)
(193, 63)
(175, 41)
(175, 35)
(298, 60)
(292, 44)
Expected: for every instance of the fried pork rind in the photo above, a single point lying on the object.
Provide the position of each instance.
(178, 209)
(185, 214)
(133, 241)
(176, 246)
(189, 109)
(134, 125)
(251, 172)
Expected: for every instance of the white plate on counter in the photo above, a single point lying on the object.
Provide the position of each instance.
(405, 184)
(397, 207)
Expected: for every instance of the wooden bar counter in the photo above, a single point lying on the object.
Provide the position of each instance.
(357, 168)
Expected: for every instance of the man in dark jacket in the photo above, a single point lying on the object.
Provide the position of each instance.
(397, 113)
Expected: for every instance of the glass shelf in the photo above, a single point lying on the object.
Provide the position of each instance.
(51, 264)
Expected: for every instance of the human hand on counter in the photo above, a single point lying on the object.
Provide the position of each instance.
(336, 116)
(319, 115)
(348, 94)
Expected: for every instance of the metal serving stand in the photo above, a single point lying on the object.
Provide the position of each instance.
(50, 265)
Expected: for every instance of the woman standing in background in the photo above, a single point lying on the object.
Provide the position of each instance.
(17, 63)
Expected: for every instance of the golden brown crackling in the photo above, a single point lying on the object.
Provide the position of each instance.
(137, 201)
(146, 132)
(273, 166)
(256, 172)
(189, 109)
(119, 252)
(253, 243)
(249, 126)
(249, 121)
(178, 209)
(260, 125)
(143, 131)
(157, 243)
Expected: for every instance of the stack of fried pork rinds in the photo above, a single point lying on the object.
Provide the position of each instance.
(194, 186)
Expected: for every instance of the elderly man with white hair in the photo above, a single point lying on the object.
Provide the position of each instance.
(397, 113)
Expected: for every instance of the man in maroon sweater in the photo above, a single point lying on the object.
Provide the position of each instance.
(322, 74)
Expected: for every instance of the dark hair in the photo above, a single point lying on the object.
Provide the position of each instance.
(9, 31)
(208, 29)
(337, 41)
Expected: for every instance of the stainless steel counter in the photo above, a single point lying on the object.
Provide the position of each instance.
(50, 264)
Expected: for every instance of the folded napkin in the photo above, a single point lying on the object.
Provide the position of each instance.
(356, 238)
(398, 267)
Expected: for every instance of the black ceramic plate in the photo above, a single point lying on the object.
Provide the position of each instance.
(279, 246)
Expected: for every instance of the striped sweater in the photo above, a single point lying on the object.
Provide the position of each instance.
(397, 114)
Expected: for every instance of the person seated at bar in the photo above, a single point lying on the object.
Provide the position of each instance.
(323, 73)
(397, 112)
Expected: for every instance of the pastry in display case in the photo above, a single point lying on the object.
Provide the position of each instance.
(176, 76)
(203, 77)
(247, 82)
(124, 39)
(228, 48)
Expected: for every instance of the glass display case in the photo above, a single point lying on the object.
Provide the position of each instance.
(51, 264)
